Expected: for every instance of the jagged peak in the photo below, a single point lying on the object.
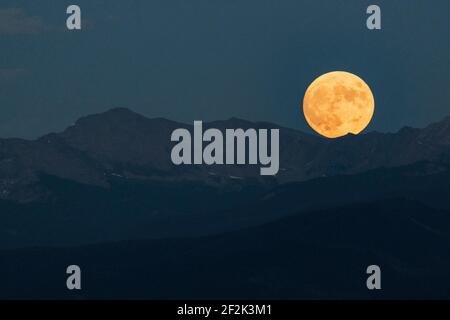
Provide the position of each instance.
(121, 115)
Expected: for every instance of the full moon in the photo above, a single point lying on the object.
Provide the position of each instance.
(338, 103)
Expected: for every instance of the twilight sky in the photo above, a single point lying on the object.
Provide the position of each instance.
(215, 59)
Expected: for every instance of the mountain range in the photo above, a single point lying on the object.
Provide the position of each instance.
(109, 178)
(122, 144)
(105, 195)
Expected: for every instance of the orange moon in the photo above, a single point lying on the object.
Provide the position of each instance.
(338, 103)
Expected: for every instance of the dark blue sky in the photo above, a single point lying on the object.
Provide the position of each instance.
(215, 59)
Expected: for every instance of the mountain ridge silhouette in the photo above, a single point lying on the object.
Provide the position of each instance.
(122, 143)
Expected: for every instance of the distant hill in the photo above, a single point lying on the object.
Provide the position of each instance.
(134, 209)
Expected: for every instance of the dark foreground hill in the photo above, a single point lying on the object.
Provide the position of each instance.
(322, 254)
